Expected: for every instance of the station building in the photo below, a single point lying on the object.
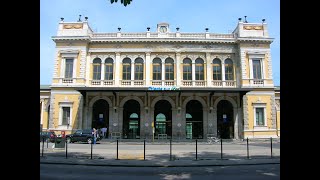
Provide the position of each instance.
(162, 83)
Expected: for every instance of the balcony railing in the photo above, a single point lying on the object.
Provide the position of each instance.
(220, 83)
(102, 82)
(190, 83)
(132, 82)
(67, 80)
(167, 35)
(163, 83)
(257, 82)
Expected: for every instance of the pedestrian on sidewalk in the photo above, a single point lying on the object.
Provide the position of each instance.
(104, 132)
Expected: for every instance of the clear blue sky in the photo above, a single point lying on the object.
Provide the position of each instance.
(220, 16)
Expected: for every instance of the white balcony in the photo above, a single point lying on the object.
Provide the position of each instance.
(135, 83)
(195, 83)
(163, 83)
(102, 82)
(220, 83)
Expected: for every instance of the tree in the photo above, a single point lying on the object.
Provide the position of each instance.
(124, 2)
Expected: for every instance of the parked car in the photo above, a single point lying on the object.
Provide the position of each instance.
(48, 136)
(81, 136)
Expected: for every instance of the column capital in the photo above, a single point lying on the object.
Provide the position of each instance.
(178, 53)
(148, 53)
(118, 53)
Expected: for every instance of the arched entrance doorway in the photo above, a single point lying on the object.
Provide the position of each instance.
(100, 114)
(194, 120)
(131, 120)
(163, 119)
(225, 120)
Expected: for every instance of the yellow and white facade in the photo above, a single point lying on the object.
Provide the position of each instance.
(163, 84)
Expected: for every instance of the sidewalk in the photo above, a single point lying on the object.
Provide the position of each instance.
(157, 154)
(155, 163)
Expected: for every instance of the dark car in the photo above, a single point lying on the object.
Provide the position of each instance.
(81, 136)
(48, 136)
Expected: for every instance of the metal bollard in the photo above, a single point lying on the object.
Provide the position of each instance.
(221, 148)
(66, 149)
(170, 151)
(247, 148)
(196, 149)
(117, 151)
(91, 148)
(271, 145)
(144, 149)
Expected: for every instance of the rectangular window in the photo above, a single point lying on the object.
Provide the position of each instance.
(156, 71)
(169, 71)
(65, 115)
(126, 72)
(260, 116)
(256, 63)
(199, 72)
(216, 72)
(109, 72)
(187, 72)
(97, 71)
(68, 73)
(138, 75)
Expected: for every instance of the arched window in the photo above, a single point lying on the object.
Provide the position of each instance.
(199, 69)
(228, 69)
(216, 68)
(187, 69)
(108, 69)
(138, 69)
(156, 69)
(169, 69)
(161, 123)
(126, 69)
(96, 69)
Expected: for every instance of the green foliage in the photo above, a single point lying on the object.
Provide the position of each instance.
(124, 2)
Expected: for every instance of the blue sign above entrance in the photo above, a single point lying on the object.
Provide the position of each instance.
(172, 88)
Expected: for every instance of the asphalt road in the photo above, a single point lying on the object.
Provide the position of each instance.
(81, 172)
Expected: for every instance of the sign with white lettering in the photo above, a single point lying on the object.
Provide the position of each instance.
(161, 88)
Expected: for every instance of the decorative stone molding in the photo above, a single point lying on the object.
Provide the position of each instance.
(163, 57)
(193, 57)
(252, 27)
(102, 57)
(72, 26)
(273, 112)
(133, 57)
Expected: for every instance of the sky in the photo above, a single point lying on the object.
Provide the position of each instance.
(220, 16)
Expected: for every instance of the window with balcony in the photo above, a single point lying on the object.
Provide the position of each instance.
(108, 69)
(96, 69)
(216, 67)
(126, 69)
(256, 68)
(156, 69)
(228, 64)
(138, 69)
(68, 73)
(199, 69)
(187, 69)
(169, 68)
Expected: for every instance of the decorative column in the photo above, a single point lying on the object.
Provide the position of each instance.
(120, 121)
(42, 109)
(240, 123)
(236, 122)
(147, 63)
(183, 122)
(89, 120)
(163, 71)
(88, 70)
(178, 73)
(117, 70)
(193, 72)
(102, 70)
(205, 122)
(111, 121)
(132, 72)
(223, 74)
(215, 122)
(208, 59)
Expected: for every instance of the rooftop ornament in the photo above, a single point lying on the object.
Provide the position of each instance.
(239, 19)
(148, 28)
(245, 19)
(177, 28)
(207, 29)
(119, 28)
(62, 19)
(86, 18)
(79, 20)
(263, 20)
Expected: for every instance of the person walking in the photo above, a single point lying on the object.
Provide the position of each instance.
(104, 132)
(94, 133)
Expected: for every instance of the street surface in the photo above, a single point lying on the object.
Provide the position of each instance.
(81, 172)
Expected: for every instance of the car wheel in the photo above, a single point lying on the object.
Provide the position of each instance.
(68, 140)
(89, 140)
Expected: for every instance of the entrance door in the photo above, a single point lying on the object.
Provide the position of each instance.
(133, 129)
(189, 130)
